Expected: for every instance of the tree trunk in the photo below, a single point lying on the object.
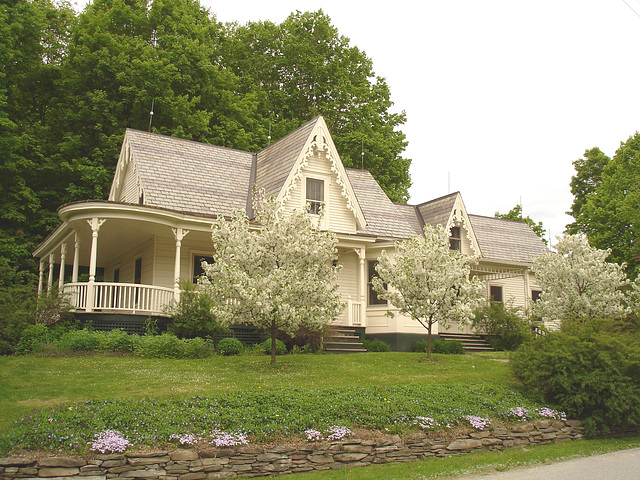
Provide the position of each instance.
(429, 341)
(273, 342)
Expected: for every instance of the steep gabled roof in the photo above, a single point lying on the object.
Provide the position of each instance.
(382, 215)
(274, 163)
(506, 240)
(188, 176)
(438, 211)
(410, 214)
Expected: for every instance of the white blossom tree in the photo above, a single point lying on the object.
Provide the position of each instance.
(276, 272)
(578, 284)
(428, 281)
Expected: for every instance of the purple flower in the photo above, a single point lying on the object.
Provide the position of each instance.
(478, 423)
(109, 441)
(426, 422)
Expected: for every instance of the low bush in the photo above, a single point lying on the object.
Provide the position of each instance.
(230, 346)
(281, 348)
(376, 345)
(84, 340)
(504, 327)
(118, 341)
(592, 371)
(33, 338)
(451, 347)
(168, 345)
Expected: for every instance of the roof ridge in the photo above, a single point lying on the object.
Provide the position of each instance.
(436, 199)
(497, 218)
(171, 137)
(295, 131)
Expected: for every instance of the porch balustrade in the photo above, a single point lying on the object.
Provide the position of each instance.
(355, 313)
(118, 297)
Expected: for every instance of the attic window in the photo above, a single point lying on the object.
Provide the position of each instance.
(455, 238)
(315, 195)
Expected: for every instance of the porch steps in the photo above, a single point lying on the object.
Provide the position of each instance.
(343, 340)
(471, 342)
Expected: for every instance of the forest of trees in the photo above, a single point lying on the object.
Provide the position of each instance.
(71, 83)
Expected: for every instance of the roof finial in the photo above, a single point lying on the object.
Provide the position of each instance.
(269, 136)
(151, 113)
(362, 156)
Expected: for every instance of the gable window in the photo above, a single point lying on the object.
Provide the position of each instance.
(496, 293)
(198, 271)
(455, 238)
(535, 294)
(315, 195)
(373, 295)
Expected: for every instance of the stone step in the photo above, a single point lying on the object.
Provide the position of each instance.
(472, 343)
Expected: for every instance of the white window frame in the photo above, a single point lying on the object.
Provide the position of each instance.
(325, 203)
(192, 256)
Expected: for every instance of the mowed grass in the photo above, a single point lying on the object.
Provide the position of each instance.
(28, 383)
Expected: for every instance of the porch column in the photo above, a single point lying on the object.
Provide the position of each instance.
(52, 261)
(179, 234)
(527, 298)
(76, 258)
(362, 285)
(63, 259)
(40, 276)
(95, 224)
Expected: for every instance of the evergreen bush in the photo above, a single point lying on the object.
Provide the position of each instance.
(376, 345)
(230, 346)
(504, 327)
(592, 371)
(281, 348)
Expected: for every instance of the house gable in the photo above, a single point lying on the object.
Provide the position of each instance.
(309, 153)
(449, 211)
(126, 185)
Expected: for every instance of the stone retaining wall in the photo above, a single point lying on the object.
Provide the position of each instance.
(252, 461)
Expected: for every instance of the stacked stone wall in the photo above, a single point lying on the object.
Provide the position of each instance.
(249, 461)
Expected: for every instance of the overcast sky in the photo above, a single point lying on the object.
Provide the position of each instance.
(501, 95)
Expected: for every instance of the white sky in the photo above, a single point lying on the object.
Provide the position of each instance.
(501, 95)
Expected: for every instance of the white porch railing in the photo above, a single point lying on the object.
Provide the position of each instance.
(355, 313)
(120, 297)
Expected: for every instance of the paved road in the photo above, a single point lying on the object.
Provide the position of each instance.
(622, 465)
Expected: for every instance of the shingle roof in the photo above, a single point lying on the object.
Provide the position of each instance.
(276, 161)
(383, 217)
(506, 240)
(437, 211)
(411, 215)
(189, 176)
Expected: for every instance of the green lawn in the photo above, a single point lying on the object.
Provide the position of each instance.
(28, 383)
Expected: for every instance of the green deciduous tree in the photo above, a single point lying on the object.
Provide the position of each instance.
(428, 281)
(276, 274)
(516, 214)
(304, 67)
(578, 284)
(607, 195)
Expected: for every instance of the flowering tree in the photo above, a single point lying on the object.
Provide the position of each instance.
(578, 283)
(428, 281)
(276, 273)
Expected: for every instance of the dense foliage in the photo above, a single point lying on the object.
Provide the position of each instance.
(263, 415)
(276, 277)
(191, 315)
(504, 326)
(17, 306)
(428, 281)
(592, 370)
(376, 345)
(606, 198)
(447, 347)
(71, 83)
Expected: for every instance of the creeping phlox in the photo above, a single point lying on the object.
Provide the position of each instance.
(426, 422)
(335, 432)
(478, 423)
(549, 413)
(217, 438)
(109, 441)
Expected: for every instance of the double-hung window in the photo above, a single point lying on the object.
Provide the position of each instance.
(315, 195)
(455, 238)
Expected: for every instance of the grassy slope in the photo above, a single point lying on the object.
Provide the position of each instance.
(31, 382)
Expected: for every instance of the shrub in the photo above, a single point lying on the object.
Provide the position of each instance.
(376, 345)
(281, 348)
(118, 341)
(230, 346)
(452, 347)
(305, 338)
(84, 340)
(17, 306)
(191, 316)
(196, 348)
(504, 327)
(32, 339)
(591, 371)
(166, 345)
